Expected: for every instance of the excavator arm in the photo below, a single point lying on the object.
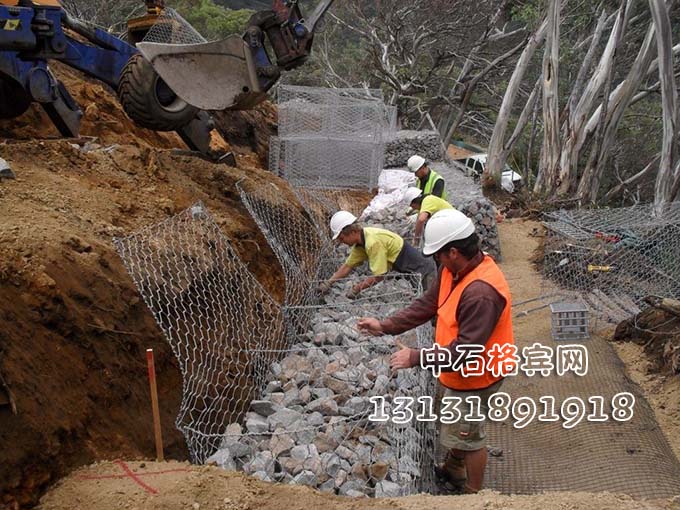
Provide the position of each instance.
(236, 72)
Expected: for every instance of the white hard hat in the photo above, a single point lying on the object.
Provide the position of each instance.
(415, 163)
(411, 194)
(445, 226)
(340, 220)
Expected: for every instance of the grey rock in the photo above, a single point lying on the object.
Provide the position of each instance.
(369, 439)
(325, 406)
(280, 444)
(345, 453)
(257, 424)
(222, 458)
(340, 478)
(305, 478)
(264, 407)
(284, 418)
(302, 452)
(273, 387)
(315, 419)
(328, 486)
(262, 461)
(277, 398)
(387, 489)
(352, 485)
(331, 463)
(336, 385)
(351, 493)
(262, 475)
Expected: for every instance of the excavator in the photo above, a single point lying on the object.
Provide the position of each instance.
(160, 85)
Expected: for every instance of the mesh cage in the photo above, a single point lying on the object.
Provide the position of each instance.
(263, 391)
(296, 242)
(171, 28)
(614, 257)
(330, 138)
(215, 315)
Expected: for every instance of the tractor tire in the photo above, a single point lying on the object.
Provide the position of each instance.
(148, 100)
(15, 100)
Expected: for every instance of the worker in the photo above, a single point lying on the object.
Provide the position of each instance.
(429, 181)
(471, 301)
(384, 250)
(426, 205)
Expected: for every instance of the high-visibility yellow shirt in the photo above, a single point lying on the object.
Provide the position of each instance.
(432, 204)
(381, 248)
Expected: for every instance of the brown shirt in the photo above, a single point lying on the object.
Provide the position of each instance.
(478, 312)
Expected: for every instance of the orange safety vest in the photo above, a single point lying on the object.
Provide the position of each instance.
(447, 324)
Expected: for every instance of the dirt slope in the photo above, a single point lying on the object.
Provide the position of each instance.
(74, 330)
(180, 486)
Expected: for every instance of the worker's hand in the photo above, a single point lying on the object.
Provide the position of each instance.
(370, 326)
(353, 293)
(323, 288)
(415, 241)
(401, 359)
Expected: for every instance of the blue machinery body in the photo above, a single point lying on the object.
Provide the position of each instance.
(32, 34)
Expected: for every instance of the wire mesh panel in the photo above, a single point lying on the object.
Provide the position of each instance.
(215, 315)
(330, 138)
(322, 203)
(325, 95)
(171, 28)
(630, 457)
(282, 403)
(296, 242)
(614, 257)
(330, 163)
(311, 424)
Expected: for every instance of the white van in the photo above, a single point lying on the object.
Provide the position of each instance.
(510, 180)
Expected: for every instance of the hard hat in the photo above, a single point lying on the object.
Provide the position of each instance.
(415, 162)
(340, 220)
(411, 194)
(445, 226)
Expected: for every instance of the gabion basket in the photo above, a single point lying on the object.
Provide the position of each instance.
(569, 321)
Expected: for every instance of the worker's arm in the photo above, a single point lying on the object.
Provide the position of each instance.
(419, 312)
(478, 312)
(438, 188)
(342, 272)
(420, 226)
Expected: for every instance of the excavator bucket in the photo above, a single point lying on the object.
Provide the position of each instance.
(217, 75)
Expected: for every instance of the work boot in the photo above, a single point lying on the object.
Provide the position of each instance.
(453, 470)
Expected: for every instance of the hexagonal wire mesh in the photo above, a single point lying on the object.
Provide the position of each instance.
(307, 394)
(330, 138)
(215, 315)
(613, 258)
(171, 28)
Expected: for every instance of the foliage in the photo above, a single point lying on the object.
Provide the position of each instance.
(214, 21)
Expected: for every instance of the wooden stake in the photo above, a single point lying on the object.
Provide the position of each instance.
(154, 405)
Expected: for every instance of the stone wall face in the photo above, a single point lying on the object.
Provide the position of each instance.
(403, 144)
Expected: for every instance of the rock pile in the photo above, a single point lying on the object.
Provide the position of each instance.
(310, 425)
(401, 145)
(483, 213)
(479, 209)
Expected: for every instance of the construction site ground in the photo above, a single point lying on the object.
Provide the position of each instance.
(75, 330)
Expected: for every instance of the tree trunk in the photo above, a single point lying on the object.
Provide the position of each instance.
(495, 161)
(551, 122)
(669, 99)
(619, 100)
(528, 170)
(575, 135)
(589, 184)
